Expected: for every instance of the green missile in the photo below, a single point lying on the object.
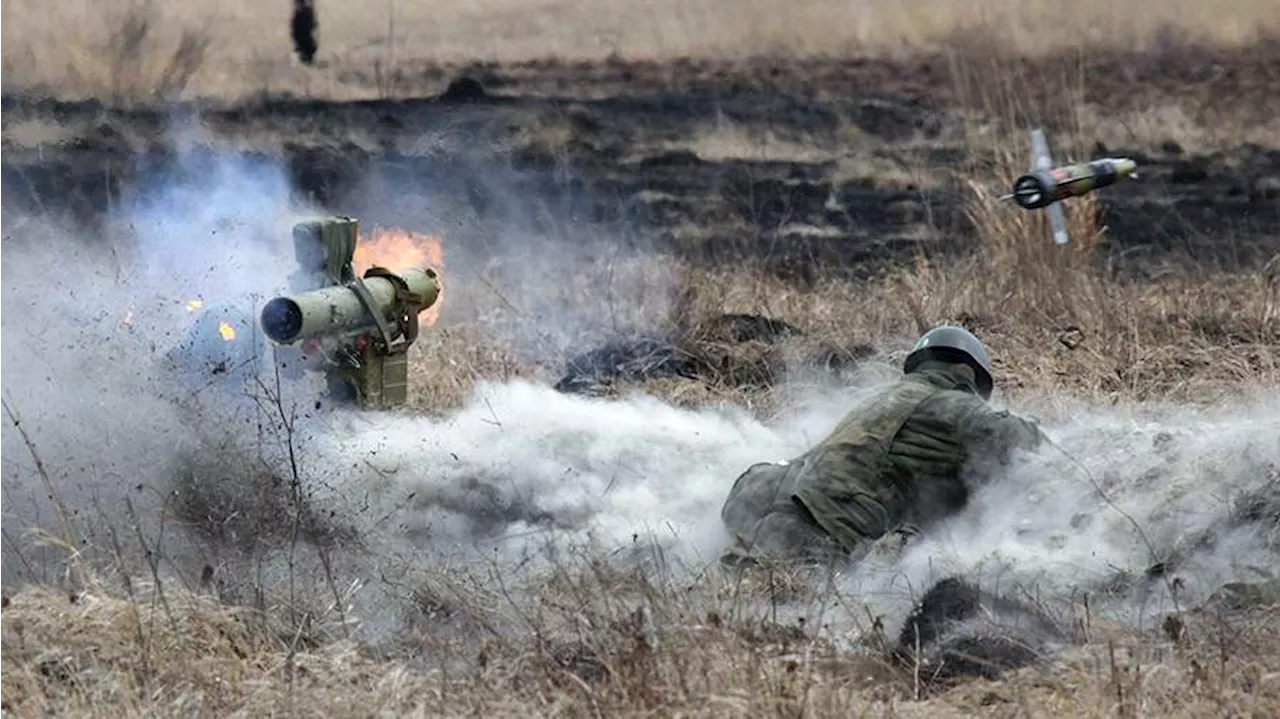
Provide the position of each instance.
(1040, 189)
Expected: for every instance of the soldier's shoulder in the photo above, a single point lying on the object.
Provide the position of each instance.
(971, 413)
(954, 403)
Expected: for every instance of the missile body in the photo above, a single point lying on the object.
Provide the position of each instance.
(1041, 189)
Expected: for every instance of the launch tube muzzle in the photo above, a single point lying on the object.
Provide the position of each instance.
(338, 310)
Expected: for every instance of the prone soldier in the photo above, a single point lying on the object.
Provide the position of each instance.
(888, 469)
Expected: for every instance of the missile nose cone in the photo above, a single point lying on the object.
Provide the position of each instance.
(1125, 166)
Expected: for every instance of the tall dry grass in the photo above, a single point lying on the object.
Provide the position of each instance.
(586, 641)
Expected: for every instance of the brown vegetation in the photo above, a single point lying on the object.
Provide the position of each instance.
(594, 641)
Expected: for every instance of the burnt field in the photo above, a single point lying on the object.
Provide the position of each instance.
(800, 166)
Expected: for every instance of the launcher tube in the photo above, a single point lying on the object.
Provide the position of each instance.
(338, 311)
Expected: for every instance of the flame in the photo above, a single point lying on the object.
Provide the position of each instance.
(193, 305)
(127, 320)
(227, 331)
(397, 249)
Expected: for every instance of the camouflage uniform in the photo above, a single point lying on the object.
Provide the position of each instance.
(885, 470)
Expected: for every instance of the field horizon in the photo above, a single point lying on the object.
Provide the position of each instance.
(675, 239)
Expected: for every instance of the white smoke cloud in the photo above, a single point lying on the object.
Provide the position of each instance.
(561, 464)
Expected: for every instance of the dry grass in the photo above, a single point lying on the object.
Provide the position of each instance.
(72, 47)
(1174, 336)
(588, 640)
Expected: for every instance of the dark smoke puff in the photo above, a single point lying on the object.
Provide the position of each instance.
(462, 90)
(225, 498)
(628, 360)
(1261, 505)
(489, 511)
(961, 631)
(302, 28)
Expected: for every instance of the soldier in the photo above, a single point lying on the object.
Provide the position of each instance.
(888, 469)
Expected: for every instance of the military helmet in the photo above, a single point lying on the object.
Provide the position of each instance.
(954, 344)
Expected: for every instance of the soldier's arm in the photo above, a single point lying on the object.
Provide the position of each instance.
(997, 434)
